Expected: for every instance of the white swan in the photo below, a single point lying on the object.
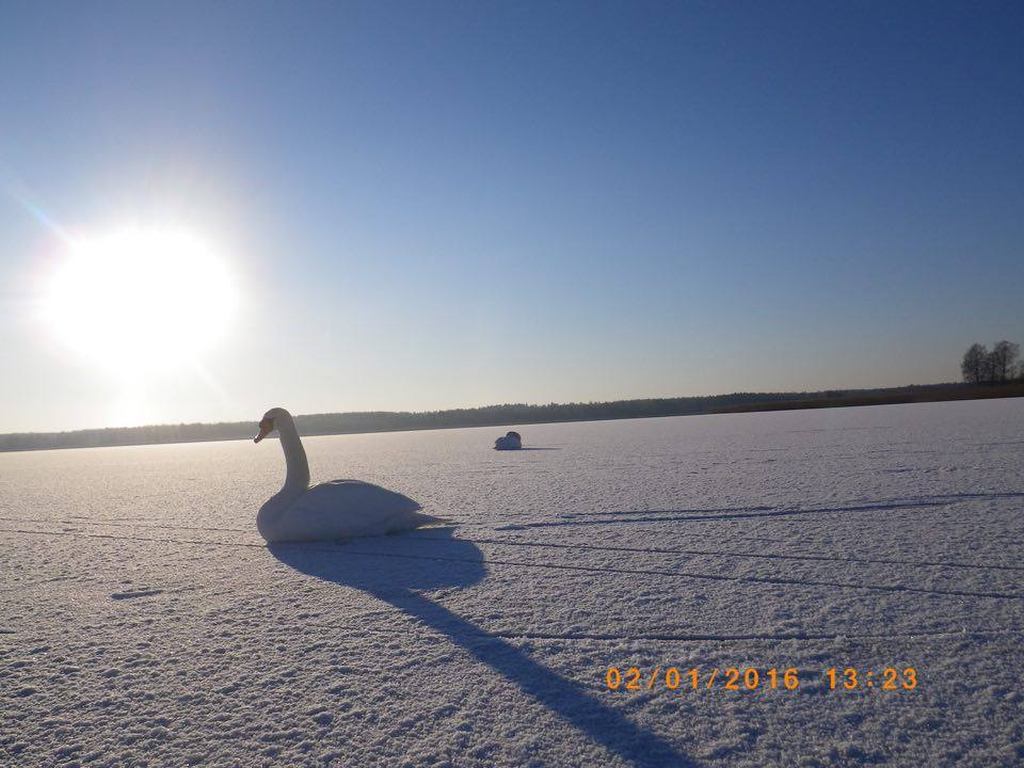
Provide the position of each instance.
(512, 441)
(340, 509)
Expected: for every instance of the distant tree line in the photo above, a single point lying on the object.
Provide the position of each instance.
(980, 366)
(503, 415)
(392, 421)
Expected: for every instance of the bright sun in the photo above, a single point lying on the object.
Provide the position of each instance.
(141, 298)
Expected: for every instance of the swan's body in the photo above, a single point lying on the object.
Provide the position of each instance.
(340, 509)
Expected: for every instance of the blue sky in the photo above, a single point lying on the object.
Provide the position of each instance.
(430, 205)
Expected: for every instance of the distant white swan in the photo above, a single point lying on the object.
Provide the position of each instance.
(512, 441)
(340, 509)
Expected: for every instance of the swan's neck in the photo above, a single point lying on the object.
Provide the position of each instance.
(297, 479)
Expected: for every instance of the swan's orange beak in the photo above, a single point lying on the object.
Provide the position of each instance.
(265, 427)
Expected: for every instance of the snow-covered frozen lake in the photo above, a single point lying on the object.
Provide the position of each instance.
(144, 622)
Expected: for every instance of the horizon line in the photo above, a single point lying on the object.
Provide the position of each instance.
(792, 394)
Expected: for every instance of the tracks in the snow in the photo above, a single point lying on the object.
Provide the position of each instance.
(353, 550)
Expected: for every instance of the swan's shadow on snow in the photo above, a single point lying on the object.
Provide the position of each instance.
(390, 569)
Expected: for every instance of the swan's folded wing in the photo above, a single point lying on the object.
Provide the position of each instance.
(351, 508)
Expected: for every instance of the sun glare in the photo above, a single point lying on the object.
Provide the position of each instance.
(141, 298)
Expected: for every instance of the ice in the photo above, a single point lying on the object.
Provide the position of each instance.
(144, 621)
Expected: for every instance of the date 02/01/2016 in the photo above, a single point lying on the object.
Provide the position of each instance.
(752, 679)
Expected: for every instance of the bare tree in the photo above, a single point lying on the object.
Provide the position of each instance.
(1003, 360)
(975, 364)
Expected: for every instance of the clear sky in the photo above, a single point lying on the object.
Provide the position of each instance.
(434, 204)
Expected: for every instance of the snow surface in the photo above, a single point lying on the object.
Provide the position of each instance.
(144, 621)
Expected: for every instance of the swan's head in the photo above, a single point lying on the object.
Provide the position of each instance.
(267, 422)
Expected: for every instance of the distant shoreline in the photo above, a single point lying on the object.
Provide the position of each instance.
(516, 414)
(956, 392)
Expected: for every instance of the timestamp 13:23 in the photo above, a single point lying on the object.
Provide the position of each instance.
(889, 678)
